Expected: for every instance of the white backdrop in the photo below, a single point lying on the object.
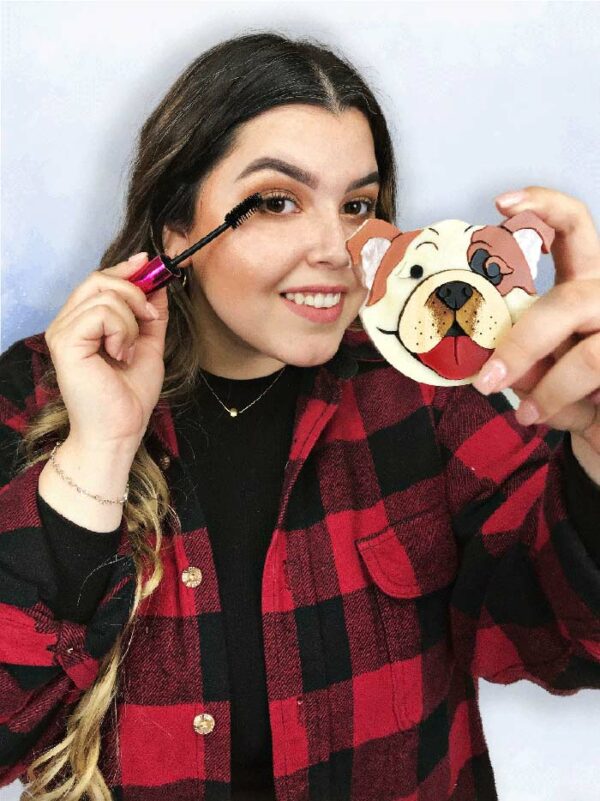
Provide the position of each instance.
(481, 98)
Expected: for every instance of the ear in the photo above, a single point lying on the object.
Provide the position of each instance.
(175, 242)
(532, 235)
(368, 245)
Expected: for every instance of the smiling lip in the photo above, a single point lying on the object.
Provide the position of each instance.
(316, 315)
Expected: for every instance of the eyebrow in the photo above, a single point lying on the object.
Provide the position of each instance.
(298, 174)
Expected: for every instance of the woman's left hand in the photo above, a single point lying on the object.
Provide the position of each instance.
(552, 352)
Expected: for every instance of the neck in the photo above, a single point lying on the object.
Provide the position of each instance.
(245, 375)
(224, 353)
(237, 363)
(242, 369)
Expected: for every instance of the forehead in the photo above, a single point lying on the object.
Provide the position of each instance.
(288, 132)
(303, 116)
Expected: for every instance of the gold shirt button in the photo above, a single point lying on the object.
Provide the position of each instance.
(191, 576)
(164, 461)
(204, 724)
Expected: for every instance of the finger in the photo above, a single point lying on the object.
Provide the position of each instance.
(576, 246)
(86, 332)
(126, 268)
(101, 281)
(531, 377)
(160, 301)
(156, 303)
(577, 417)
(534, 375)
(572, 379)
(101, 278)
(563, 312)
(119, 340)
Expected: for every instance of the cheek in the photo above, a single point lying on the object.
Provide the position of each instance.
(357, 299)
(261, 266)
(270, 242)
(352, 306)
(235, 279)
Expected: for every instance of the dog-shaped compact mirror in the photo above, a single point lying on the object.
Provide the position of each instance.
(441, 297)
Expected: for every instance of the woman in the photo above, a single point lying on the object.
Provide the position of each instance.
(316, 558)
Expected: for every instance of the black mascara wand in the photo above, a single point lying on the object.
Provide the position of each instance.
(162, 269)
(233, 218)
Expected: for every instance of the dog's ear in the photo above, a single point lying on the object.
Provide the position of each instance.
(368, 244)
(532, 235)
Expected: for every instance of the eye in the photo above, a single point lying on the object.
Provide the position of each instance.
(492, 269)
(272, 202)
(367, 202)
(481, 263)
(416, 271)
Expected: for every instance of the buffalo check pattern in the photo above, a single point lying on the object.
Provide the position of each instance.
(423, 542)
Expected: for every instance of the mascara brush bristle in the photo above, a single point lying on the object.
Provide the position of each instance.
(243, 210)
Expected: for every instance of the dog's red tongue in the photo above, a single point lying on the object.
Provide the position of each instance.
(456, 357)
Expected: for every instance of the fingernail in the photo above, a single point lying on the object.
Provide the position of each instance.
(492, 374)
(510, 198)
(130, 353)
(527, 413)
(136, 256)
(152, 310)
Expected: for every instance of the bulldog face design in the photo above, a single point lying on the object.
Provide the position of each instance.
(440, 298)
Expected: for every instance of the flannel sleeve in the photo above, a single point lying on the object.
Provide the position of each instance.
(46, 663)
(526, 600)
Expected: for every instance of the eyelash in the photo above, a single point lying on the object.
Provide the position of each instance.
(283, 196)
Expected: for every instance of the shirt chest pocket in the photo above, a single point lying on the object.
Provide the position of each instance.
(410, 566)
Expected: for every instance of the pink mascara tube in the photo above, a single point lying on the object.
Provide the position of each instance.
(161, 270)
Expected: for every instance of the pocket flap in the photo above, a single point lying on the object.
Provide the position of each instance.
(412, 556)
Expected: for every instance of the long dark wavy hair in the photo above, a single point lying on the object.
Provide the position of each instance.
(193, 127)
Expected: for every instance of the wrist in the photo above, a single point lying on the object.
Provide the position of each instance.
(111, 451)
(102, 469)
(99, 473)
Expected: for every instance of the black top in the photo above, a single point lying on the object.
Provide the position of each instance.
(238, 465)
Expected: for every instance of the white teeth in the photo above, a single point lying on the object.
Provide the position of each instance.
(318, 300)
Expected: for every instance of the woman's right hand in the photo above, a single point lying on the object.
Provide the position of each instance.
(107, 346)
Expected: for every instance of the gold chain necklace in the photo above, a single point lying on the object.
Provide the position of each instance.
(233, 412)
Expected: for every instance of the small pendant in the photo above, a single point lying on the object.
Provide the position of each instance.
(233, 412)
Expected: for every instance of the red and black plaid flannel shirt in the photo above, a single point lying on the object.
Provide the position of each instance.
(422, 542)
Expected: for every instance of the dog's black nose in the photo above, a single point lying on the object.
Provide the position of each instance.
(454, 294)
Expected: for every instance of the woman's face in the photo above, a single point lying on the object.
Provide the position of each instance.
(296, 245)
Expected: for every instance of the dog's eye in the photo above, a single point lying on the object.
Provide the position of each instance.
(492, 269)
(488, 269)
(416, 271)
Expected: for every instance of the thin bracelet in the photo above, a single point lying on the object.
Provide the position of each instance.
(70, 481)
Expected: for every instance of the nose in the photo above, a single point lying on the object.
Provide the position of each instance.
(327, 246)
(454, 294)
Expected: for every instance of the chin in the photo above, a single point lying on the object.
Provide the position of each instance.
(304, 356)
